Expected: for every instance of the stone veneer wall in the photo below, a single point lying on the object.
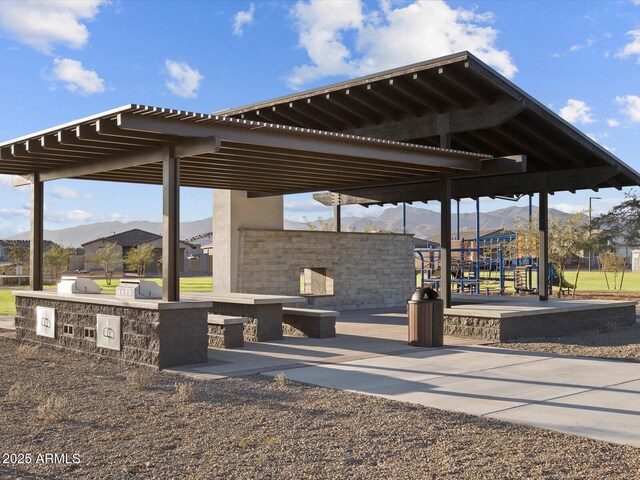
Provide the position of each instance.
(368, 270)
(160, 338)
(553, 324)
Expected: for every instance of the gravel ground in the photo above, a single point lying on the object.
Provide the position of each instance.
(254, 427)
(615, 342)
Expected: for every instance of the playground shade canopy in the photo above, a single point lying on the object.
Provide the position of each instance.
(456, 102)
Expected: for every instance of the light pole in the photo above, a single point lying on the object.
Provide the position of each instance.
(591, 198)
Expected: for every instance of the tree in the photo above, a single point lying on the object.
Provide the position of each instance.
(370, 227)
(57, 260)
(321, 224)
(615, 263)
(568, 237)
(621, 222)
(526, 241)
(18, 256)
(137, 258)
(106, 257)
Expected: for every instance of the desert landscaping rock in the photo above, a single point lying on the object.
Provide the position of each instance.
(254, 427)
(615, 342)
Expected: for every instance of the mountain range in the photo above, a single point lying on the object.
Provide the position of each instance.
(422, 222)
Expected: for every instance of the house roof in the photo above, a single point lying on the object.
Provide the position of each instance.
(47, 244)
(462, 100)
(133, 238)
(130, 238)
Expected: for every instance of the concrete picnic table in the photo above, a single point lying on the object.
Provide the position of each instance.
(264, 311)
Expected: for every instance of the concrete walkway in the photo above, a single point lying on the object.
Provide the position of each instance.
(361, 335)
(587, 397)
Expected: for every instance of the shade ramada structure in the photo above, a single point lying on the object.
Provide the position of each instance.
(442, 129)
(142, 144)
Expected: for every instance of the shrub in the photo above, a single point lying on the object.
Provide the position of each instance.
(184, 392)
(280, 380)
(27, 351)
(20, 392)
(55, 409)
(140, 378)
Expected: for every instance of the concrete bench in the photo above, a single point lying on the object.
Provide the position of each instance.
(263, 311)
(225, 332)
(307, 322)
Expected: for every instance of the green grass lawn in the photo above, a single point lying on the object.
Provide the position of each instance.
(187, 285)
(586, 281)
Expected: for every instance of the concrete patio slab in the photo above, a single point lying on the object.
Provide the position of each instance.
(360, 335)
(586, 397)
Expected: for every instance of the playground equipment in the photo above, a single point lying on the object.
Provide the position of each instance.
(475, 268)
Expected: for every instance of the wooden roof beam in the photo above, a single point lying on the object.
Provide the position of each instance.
(182, 148)
(340, 115)
(503, 165)
(385, 90)
(513, 184)
(349, 104)
(327, 122)
(293, 117)
(89, 133)
(455, 121)
(423, 79)
(414, 93)
(367, 102)
(282, 139)
(452, 76)
(397, 107)
(349, 115)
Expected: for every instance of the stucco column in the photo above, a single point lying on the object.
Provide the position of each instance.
(233, 210)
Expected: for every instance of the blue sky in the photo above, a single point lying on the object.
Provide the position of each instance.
(68, 59)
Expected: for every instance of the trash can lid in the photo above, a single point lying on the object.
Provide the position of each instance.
(423, 292)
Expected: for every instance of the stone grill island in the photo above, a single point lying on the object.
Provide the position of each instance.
(151, 332)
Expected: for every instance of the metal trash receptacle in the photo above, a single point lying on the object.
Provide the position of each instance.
(426, 320)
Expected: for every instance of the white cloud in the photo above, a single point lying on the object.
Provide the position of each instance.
(632, 48)
(570, 208)
(69, 215)
(589, 42)
(65, 193)
(43, 23)
(184, 81)
(389, 37)
(612, 122)
(576, 111)
(630, 106)
(14, 212)
(6, 180)
(76, 77)
(242, 19)
(579, 46)
(308, 205)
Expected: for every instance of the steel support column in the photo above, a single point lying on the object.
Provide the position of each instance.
(171, 228)
(404, 217)
(458, 219)
(477, 266)
(445, 241)
(37, 232)
(543, 245)
(337, 214)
